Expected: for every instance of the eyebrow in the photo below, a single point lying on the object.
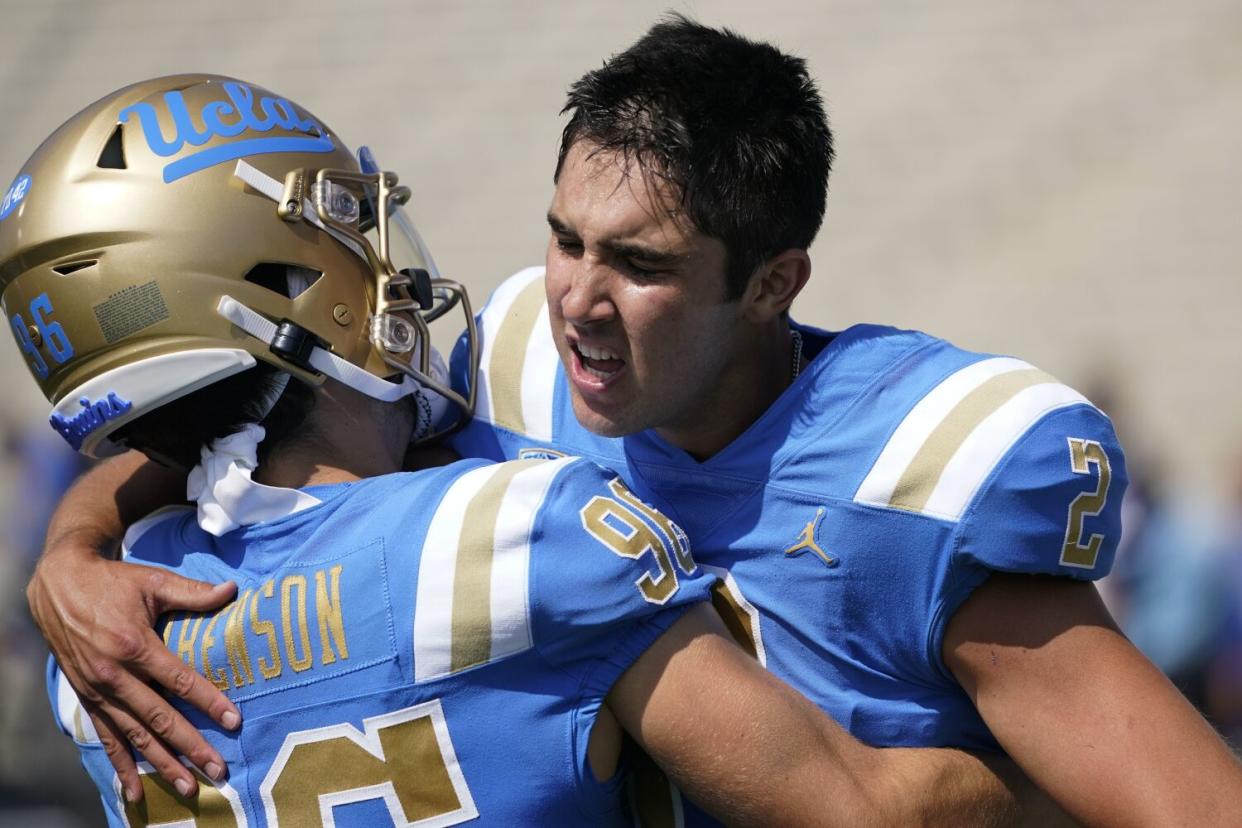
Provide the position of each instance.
(559, 227)
(629, 250)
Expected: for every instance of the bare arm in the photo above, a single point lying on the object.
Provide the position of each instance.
(741, 743)
(1083, 712)
(98, 617)
(753, 751)
(951, 787)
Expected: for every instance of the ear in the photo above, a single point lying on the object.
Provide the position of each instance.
(775, 285)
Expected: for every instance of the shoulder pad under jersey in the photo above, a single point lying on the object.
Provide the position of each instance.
(517, 358)
(1027, 468)
(549, 554)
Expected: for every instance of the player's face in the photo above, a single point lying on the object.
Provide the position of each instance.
(636, 301)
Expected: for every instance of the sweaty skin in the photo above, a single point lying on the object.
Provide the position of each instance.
(1084, 712)
(626, 275)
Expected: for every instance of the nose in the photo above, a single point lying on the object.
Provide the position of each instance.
(587, 298)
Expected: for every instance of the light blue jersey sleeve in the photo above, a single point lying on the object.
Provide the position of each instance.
(1053, 504)
(516, 399)
(632, 570)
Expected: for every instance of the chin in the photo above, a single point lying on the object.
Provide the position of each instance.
(598, 422)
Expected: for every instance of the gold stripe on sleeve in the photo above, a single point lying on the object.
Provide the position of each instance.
(504, 371)
(472, 580)
(920, 478)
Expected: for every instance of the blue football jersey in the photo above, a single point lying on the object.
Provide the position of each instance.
(426, 648)
(853, 518)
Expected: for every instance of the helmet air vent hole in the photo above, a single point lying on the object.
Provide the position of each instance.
(276, 277)
(74, 267)
(113, 155)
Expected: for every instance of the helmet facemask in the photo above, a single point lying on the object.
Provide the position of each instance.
(361, 210)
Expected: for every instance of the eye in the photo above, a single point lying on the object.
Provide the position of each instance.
(643, 272)
(568, 245)
(639, 270)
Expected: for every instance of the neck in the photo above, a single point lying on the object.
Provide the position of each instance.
(297, 468)
(346, 437)
(756, 373)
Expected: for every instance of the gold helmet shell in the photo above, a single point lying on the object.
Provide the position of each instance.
(134, 225)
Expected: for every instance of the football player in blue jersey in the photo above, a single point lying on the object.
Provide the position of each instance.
(463, 642)
(907, 531)
(910, 530)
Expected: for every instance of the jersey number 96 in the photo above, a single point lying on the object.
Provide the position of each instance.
(405, 758)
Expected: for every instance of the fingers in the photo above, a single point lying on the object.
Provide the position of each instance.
(170, 591)
(150, 723)
(170, 672)
(124, 730)
(117, 751)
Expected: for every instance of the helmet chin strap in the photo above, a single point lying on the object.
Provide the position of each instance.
(329, 364)
(222, 484)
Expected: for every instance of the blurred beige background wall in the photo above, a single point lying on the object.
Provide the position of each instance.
(1060, 180)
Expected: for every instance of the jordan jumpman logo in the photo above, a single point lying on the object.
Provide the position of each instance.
(806, 540)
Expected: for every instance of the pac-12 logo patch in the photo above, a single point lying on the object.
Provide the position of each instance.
(536, 453)
(14, 196)
(238, 117)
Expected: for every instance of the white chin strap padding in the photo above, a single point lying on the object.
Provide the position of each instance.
(326, 362)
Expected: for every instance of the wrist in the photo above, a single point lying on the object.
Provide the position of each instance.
(81, 544)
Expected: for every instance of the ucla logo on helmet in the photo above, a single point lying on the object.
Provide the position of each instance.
(241, 116)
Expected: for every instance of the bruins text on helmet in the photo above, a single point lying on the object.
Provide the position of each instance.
(176, 231)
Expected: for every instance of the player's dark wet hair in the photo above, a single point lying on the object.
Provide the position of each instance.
(175, 433)
(737, 127)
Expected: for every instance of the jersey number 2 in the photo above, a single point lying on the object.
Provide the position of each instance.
(1083, 455)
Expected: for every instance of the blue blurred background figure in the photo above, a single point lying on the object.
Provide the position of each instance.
(1224, 672)
(1169, 588)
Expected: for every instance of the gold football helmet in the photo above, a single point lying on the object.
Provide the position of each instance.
(145, 247)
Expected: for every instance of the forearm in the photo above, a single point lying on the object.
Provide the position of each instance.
(949, 787)
(1130, 750)
(753, 751)
(807, 770)
(1084, 713)
(94, 513)
(742, 744)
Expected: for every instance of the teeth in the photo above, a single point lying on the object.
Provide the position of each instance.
(597, 373)
(596, 353)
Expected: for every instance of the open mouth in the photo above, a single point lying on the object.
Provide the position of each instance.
(600, 363)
